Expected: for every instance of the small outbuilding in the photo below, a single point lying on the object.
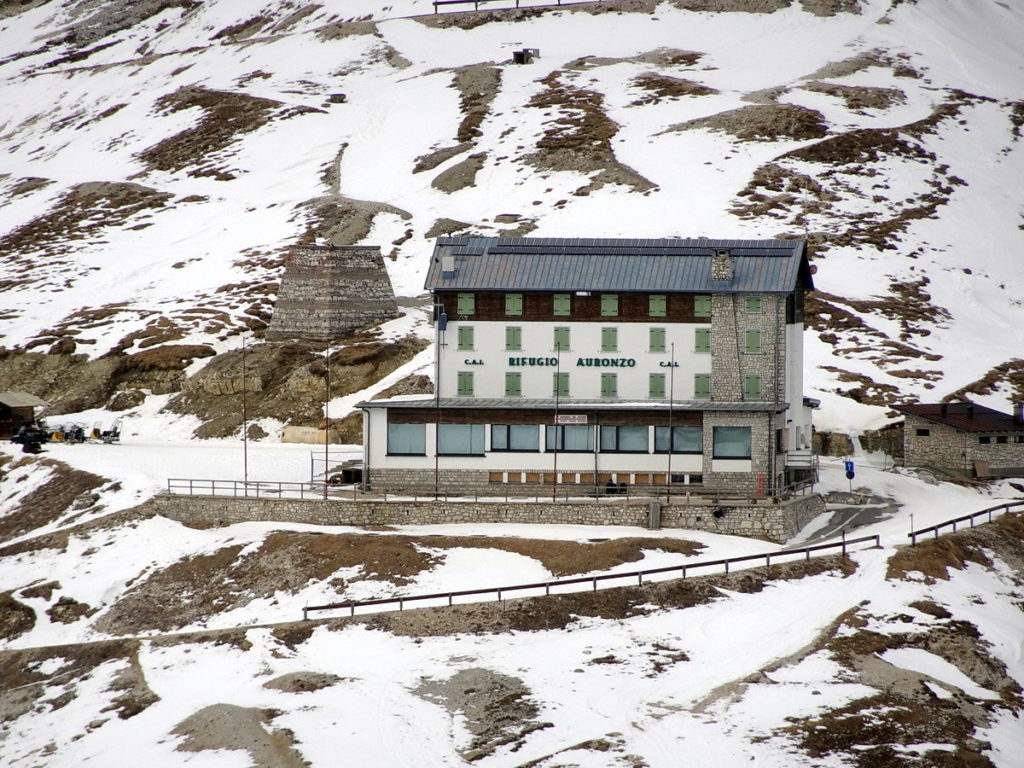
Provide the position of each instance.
(964, 438)
(17, 408)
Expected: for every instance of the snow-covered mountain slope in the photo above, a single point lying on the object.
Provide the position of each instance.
(158, 157)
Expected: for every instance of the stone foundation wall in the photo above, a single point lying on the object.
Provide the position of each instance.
(947, 448)
(776, 522)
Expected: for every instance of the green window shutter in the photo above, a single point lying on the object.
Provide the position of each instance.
(465, 380)
(609, 304)
(513, 337)
(657, 340)
(561, 339)
(702, 306)
(609, 385)
(702, 340)
(465, 337)
(562, 303)
(752, 304)
(752, 344)
(466, 304)
(657, 305)
(513, 384)
(656, 386)
(702, 386)
(513, 303)
(609, 339)
(751, 387)
(561, 384)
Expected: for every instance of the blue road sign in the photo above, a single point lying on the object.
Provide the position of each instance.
(849, 466)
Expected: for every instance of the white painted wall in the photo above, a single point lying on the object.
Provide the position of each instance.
(489, 359)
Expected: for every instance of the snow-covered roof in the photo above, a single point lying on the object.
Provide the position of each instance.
(621, 265)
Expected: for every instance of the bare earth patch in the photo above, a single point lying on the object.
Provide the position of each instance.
(227, 726)
(762, 122)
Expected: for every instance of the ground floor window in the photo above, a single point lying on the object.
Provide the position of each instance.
(515, 437)
(731, 442)
(407, 439)
(460, 439)
(624, 440)
(570, 438)
(684, 439)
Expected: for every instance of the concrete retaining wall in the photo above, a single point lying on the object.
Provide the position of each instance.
(775, 522)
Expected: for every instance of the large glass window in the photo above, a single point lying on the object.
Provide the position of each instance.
(465, 337)
(684, 439)
(515, 437)
(407, 439)
(632, 439)
(571, 438)
(513, 384)
(465, 384)
(513, 337)
(460, 439)
(466, 304)
(657, 340)
(562, 304)
(731, 443)
(609, 304)
(609, 339)
(656, 305)
(513, 303)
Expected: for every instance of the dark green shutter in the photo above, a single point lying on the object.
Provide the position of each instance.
(513, 384)
(657, 305)
(609, 385)
(753, 342)
(702, 306)
(513, 303)
(656, 386)
(466, 304)
(751, 387)
(609, 339)
(753, 304)
(465, 383)
(561, 384)
(657, 340)
(702, 386)
(513, 337)
(702, 340)
(609, 305)
(465, 337)
(562, 303)
(561, 339)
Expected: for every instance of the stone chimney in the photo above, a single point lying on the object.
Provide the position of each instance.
(721, 265)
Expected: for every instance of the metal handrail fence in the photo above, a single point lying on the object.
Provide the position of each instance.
(508, 3)
(539, 492)
(400, 601)
(964, 518)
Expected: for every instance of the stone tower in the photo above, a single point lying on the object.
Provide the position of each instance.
(329, 291)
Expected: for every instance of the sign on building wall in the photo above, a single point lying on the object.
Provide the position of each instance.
(571, 418)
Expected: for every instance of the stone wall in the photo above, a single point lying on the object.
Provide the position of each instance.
(776, 522)
(328, 291)
(950, 449)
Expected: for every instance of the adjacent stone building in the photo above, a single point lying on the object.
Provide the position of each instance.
(589, 363)
(964, 438)
(328, 291)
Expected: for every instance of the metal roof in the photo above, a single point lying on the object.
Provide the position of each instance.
(519, 403)
(21, 400)
(621, 265)
(966, 417)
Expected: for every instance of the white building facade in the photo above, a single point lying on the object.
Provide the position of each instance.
(600, 363)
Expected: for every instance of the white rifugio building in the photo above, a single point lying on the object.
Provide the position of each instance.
(587, 362)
